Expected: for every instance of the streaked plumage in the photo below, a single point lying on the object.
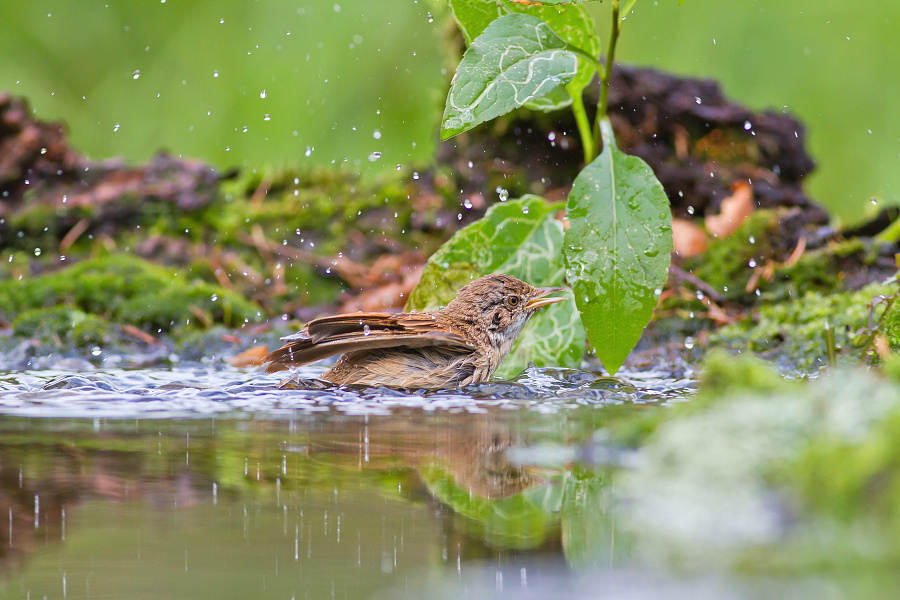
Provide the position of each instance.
(461, 344)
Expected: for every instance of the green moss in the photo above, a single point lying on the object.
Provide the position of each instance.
(847, 480)
(793, 332)
(725, 264)
(126, 289)
(787, 475)
(723, 374)
(63, 324)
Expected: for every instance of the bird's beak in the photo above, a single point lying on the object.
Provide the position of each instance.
(539, 300)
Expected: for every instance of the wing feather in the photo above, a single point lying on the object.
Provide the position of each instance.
(328, 336)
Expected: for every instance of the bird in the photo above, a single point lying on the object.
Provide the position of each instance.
(452, 347)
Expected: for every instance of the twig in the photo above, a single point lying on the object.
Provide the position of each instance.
(680, 274)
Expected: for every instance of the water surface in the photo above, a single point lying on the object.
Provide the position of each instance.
(203, 481)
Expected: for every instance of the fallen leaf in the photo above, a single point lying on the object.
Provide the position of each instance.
(139, 334)
(251, 357)
(689, 238)
(734, 210)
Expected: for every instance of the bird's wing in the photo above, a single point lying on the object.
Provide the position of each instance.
(328, 336)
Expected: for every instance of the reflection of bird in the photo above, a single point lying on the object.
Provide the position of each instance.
(452, 347)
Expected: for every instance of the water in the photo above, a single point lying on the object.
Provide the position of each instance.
(211, 482)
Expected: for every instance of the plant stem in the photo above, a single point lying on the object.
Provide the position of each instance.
(606, 75)
(585, 55)
(584, 129)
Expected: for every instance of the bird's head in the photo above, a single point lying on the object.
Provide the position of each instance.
(499, 306)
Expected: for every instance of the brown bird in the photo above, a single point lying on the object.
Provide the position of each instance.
(452, 347)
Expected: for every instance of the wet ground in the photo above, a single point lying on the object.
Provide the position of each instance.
(204, 482)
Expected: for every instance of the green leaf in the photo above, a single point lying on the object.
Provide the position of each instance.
(521, 238)
(518, 58)
(574, 24)
(617, 248)
(551, 2)
(473, 16)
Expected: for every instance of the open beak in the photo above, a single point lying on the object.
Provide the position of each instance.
(539, 300)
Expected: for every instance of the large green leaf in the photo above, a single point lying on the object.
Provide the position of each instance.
(517, 59)
(521, 238)
(473, 16)
(617, 248)
(572, 22)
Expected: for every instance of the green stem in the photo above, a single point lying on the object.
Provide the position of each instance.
(628, 8)
(606, 75)
(585, 55)
(584, 129)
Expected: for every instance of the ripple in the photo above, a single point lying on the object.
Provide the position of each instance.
(202, 390)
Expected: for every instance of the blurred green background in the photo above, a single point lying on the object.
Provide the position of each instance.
(316, 82)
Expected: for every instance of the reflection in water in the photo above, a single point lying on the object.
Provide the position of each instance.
(196, 482)
(310, 507)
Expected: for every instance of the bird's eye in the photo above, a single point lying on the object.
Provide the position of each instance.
(512, 300)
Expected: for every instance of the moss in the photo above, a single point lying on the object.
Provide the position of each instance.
(63, 324)
(793, 332)
(126, 289)
(725, 264)
(847, 480)
(787, 475)
(723, 374)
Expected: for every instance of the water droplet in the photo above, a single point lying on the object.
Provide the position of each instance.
(267, 117)
(688, 342)
(467, 203)
(214, 297)
(747, 125)
(698, 100)
(751, 239)
(96, 350)
(524, 210)
(366, 330)
(136, 74)
(309, 151)
(873, 201)
(416, 175)
(245, 129)
(374, 156)
(752, 263)
(699, 295)
(376, 134)
(37, 251)
(116, 127)
(215, 73)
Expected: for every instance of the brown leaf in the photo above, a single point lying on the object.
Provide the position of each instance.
(251, 357)
(392, 294)
(689, 238)
(734, 210)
